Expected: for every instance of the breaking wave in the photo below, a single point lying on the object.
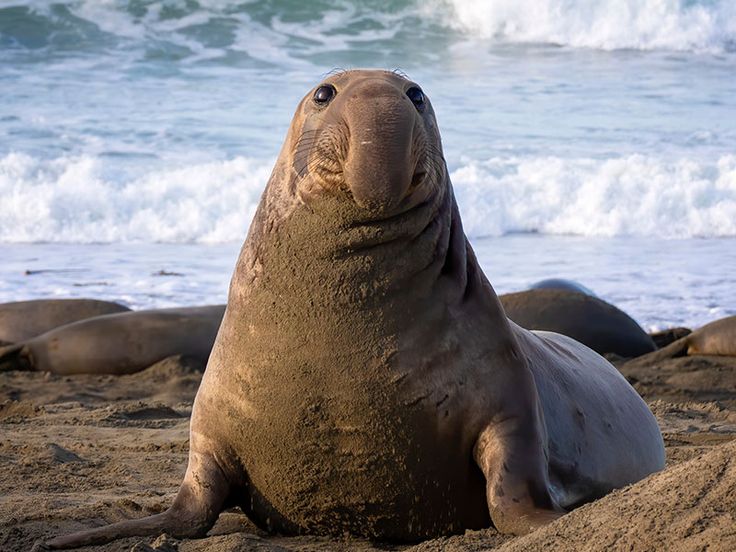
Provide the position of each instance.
(72, 200)
(294, 33)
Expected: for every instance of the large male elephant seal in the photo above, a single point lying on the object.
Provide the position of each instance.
(718, 338)
(595, 323)
(365, 378)
(121, 343)
(23, 320)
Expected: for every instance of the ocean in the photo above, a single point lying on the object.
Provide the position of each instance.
(586, 139)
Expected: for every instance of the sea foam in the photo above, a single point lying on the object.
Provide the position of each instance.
(700, 25)
(70, 199)
(635, 195)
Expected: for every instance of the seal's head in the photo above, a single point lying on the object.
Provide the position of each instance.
(370, 135)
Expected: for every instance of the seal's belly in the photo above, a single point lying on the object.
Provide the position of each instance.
(363, 464)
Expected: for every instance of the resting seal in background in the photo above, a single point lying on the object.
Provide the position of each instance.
(23, 320)
(117, 344)
(562, 283)
(365, 378)
(589, 320)
(717, 338)
(662, 338)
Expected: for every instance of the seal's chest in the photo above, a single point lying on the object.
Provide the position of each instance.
(367, 466)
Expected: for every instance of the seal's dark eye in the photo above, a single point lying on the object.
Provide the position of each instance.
(324, 94)
(416, 96)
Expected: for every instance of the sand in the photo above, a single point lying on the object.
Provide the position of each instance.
(81, 451)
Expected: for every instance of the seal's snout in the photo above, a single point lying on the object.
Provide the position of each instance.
(382, 121)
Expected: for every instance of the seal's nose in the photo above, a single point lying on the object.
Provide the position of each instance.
(379, 165)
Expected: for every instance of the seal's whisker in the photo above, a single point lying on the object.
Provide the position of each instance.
(309, 140)
(307, 135)
(434, 159)
(336, 72)
(302, 153)
(306, 139)
(310, 165)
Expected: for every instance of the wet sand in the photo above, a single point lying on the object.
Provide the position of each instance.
(82, 451)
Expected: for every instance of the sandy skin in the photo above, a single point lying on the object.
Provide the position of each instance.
(121, 343)
(23, 320)
(365, 379)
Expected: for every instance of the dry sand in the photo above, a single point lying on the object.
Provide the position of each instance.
(81, 451)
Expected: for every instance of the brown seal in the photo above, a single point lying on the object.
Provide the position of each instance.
(587, 319)
(118, 344)
(365, 379)
(23, 320)
(717, 338)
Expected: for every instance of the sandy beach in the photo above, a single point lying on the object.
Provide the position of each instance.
(82, 451)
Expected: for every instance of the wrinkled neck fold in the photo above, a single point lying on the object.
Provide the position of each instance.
(334, 245)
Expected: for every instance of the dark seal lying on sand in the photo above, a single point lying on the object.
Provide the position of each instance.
(595, 323)
(564, 284)
(365, 378)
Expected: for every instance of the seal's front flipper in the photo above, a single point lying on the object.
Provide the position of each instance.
(196, 508)
(511, 454)
(15, 357)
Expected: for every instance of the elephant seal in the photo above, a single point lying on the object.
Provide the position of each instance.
(561, 283)
(117, 344)
(663, 338)
(595, 323)
(365, 379)
(718, 338)
(23, 320)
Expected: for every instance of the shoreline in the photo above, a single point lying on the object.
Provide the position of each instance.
(660, 283)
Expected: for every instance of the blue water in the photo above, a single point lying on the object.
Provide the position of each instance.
(605, 129)
(661, 283)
